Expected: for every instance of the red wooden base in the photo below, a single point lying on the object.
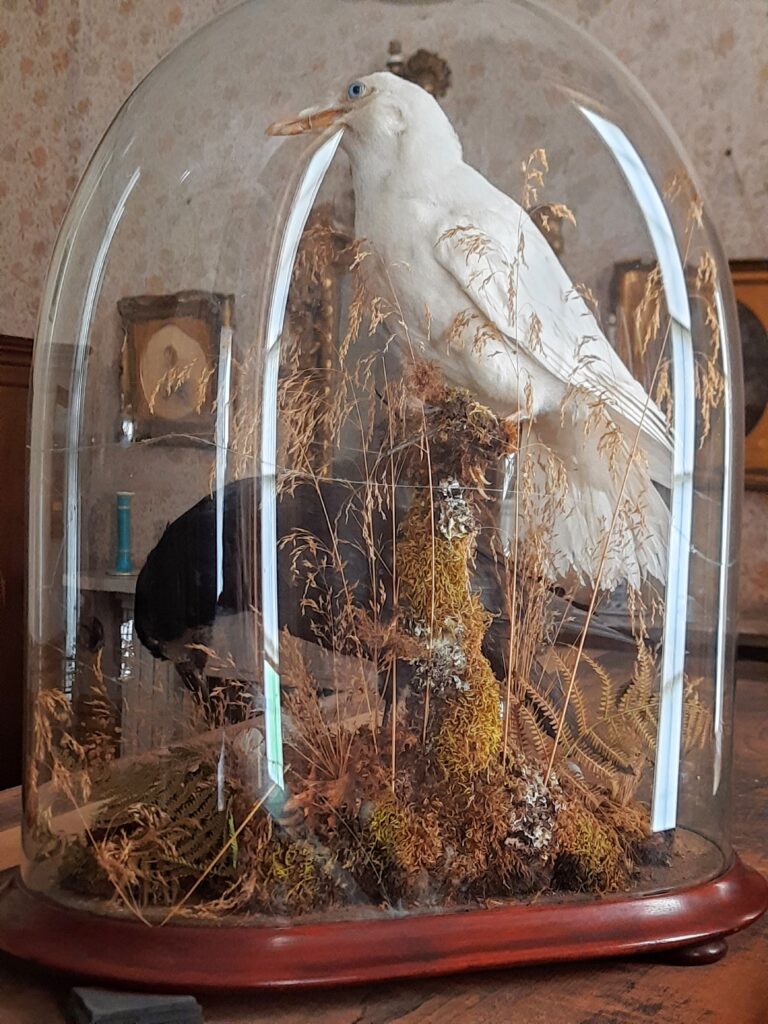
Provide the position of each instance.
(202, 957)
(699, 955)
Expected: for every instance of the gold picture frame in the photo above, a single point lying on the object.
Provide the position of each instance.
(170, 363)
(750, 284)
(631, 316)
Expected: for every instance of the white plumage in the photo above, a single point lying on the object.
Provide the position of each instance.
(481, 294)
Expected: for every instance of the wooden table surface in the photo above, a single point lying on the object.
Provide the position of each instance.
(733, 991)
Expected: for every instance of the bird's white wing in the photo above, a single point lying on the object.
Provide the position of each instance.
(507, 269)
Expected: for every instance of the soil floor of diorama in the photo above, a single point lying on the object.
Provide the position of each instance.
(694, 859)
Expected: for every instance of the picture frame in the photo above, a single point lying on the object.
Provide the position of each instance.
(170, 358)
(627, 322)
(750, 284)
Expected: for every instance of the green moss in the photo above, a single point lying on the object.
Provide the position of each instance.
(435, 586)
(433, 572)
(295, 881)
(469, 737)
(592, 854)
(401, 836)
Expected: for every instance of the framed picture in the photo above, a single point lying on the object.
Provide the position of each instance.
(170, 361)
(750, 283)
(631, 316)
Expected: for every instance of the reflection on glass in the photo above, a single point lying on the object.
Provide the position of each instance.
(405, 633)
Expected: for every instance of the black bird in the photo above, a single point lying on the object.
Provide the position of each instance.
(177, 593)
(178, 599)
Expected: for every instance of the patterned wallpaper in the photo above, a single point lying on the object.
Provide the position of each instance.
(65, 68)
(67, 65)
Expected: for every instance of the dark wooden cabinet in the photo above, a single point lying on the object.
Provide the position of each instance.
(15, 364)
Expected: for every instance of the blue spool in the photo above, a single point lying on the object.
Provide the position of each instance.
(124, 562)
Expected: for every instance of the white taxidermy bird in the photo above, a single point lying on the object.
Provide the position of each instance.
(481, 294)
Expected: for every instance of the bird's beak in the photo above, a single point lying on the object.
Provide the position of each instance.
(316, 119)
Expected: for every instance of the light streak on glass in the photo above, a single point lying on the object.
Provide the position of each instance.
(725, 564)
(222, 441)
(300, 209)
(668, 741)
(77, 393)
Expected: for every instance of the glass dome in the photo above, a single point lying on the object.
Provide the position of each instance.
(383, 465)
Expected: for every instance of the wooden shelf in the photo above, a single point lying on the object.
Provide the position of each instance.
(109, 583)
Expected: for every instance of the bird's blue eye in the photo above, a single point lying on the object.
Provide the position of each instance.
(356, 90)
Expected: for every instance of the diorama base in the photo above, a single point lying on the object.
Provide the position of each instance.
(698, 955)
(685, 925)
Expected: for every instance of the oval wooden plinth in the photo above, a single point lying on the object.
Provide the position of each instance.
(201, 957)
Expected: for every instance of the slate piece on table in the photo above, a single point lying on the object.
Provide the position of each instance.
(98, 1006)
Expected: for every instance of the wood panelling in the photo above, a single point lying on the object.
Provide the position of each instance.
(15, 363)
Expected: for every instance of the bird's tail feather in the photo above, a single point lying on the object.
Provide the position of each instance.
(598, 509)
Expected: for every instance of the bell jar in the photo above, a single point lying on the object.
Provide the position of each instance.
(384, 466)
